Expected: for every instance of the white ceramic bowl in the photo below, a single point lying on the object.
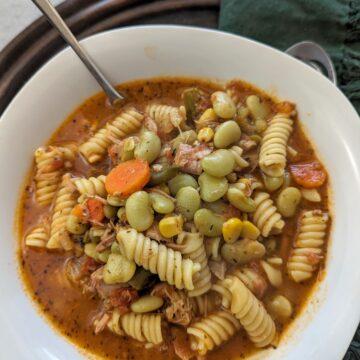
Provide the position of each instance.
(325, 329)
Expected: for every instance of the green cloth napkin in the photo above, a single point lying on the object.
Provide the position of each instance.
(334, 24)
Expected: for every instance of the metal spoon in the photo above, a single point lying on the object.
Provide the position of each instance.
(315, 56)
(54, 18)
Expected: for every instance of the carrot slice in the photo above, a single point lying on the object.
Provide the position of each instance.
(127, 177)
(96, 209)
(309, 175)
(78, 211)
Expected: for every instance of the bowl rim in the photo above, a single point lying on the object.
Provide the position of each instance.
(347, 328)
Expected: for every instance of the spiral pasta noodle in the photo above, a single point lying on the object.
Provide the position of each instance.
(239, 161)
(168, 264)
(166, 117)
(38, 237)
(65, 200)
(203, 304)
(114, 323)
(272, 158)
(251, 313)
(194, 249)
(49, 169)
(91, 186)
(212, 331)
(307, 252)
(266, 216)
(126, 123)
(143, 327)
(251, 278)
(212, 248)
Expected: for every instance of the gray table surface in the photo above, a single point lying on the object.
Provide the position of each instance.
(15, 15)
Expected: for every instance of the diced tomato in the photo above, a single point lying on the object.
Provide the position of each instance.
(309, 175)
(96, 209)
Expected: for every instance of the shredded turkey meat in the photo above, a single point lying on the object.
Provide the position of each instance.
(101, 323)
(106, 240)
(178, 307)
(188, 157)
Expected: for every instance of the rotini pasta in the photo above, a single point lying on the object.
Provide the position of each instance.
(126, 123)
(194, 249)
(114, 323)
(203, 304)
(212, 247)
(212, 331)
(143, 327)
(266, 216)
(91, 186)
(166, 117)
(307, 252)
(50, 163)
(239, 161)
(251, 313)
(65, 201)
(251, 278)
(38, 237)
(272, 158)
(168, 264)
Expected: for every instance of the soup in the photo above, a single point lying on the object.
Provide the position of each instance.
(191, 219)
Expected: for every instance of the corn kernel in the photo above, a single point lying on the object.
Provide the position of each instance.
(207, 117)
(231, 230)
(249, 230)
(171, 226)
(205, 134)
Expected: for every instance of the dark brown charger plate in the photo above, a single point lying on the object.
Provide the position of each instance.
(34, 46)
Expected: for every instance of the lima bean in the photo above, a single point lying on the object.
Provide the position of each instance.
(288, 201)
(118, 269)
(147, 303)
(280, 307)
(226, 134)
(223, 105)
(208, 223)
(181, 180)
(258, 108)
(187, 202)
(212, 188)
(219, 163)
(272, 183)
(139, 212)
(218, 207)
(163, 176)
(149, 147)
(161, 204)
(238, 199)
(242, 251)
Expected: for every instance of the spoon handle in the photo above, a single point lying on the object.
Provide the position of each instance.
(53, 16)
